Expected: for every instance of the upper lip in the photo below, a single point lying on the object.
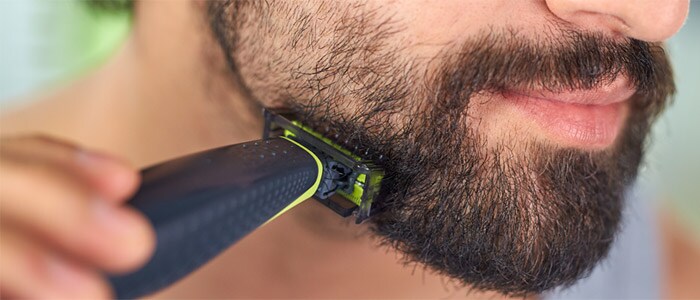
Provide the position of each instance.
(616, 91)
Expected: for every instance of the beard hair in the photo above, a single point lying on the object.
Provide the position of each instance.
(517, 222)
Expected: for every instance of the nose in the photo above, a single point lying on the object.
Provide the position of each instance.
(647, 20)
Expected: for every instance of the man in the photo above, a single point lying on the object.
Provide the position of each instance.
(509, 131)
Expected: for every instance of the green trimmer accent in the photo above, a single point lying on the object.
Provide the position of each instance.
(350, 183)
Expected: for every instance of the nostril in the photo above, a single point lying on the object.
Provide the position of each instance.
(609, 24)
(618, 24)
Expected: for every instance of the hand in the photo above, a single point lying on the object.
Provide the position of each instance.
(62, 222)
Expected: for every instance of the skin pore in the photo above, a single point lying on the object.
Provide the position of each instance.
(159, 80)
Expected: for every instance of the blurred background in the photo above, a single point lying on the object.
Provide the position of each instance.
(46, 43)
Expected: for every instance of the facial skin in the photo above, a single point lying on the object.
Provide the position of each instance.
(507, 142)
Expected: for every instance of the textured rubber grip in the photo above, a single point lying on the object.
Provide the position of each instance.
(201, 204)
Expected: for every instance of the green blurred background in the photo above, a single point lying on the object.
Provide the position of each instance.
(48, 43)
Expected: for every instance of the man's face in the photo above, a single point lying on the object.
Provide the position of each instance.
(507, 136)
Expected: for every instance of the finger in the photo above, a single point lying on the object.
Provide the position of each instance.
(28, 270)
(112, 178)
(68, 216)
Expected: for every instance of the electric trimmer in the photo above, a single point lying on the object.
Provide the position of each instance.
(203, 203)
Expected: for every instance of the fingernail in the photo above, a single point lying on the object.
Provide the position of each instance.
(109, 216)
(91, 159)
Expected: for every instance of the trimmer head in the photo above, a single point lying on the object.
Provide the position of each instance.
(349, 184)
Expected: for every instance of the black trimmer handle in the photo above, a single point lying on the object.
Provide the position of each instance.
(201, 204)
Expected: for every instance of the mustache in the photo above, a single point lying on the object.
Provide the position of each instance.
(497, 61)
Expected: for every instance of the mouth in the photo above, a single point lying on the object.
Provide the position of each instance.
(589, 119)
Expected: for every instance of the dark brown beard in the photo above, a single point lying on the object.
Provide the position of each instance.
(519, 223)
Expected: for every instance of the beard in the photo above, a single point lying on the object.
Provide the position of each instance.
(517, 217)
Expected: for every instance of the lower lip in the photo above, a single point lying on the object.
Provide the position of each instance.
(572, 124)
